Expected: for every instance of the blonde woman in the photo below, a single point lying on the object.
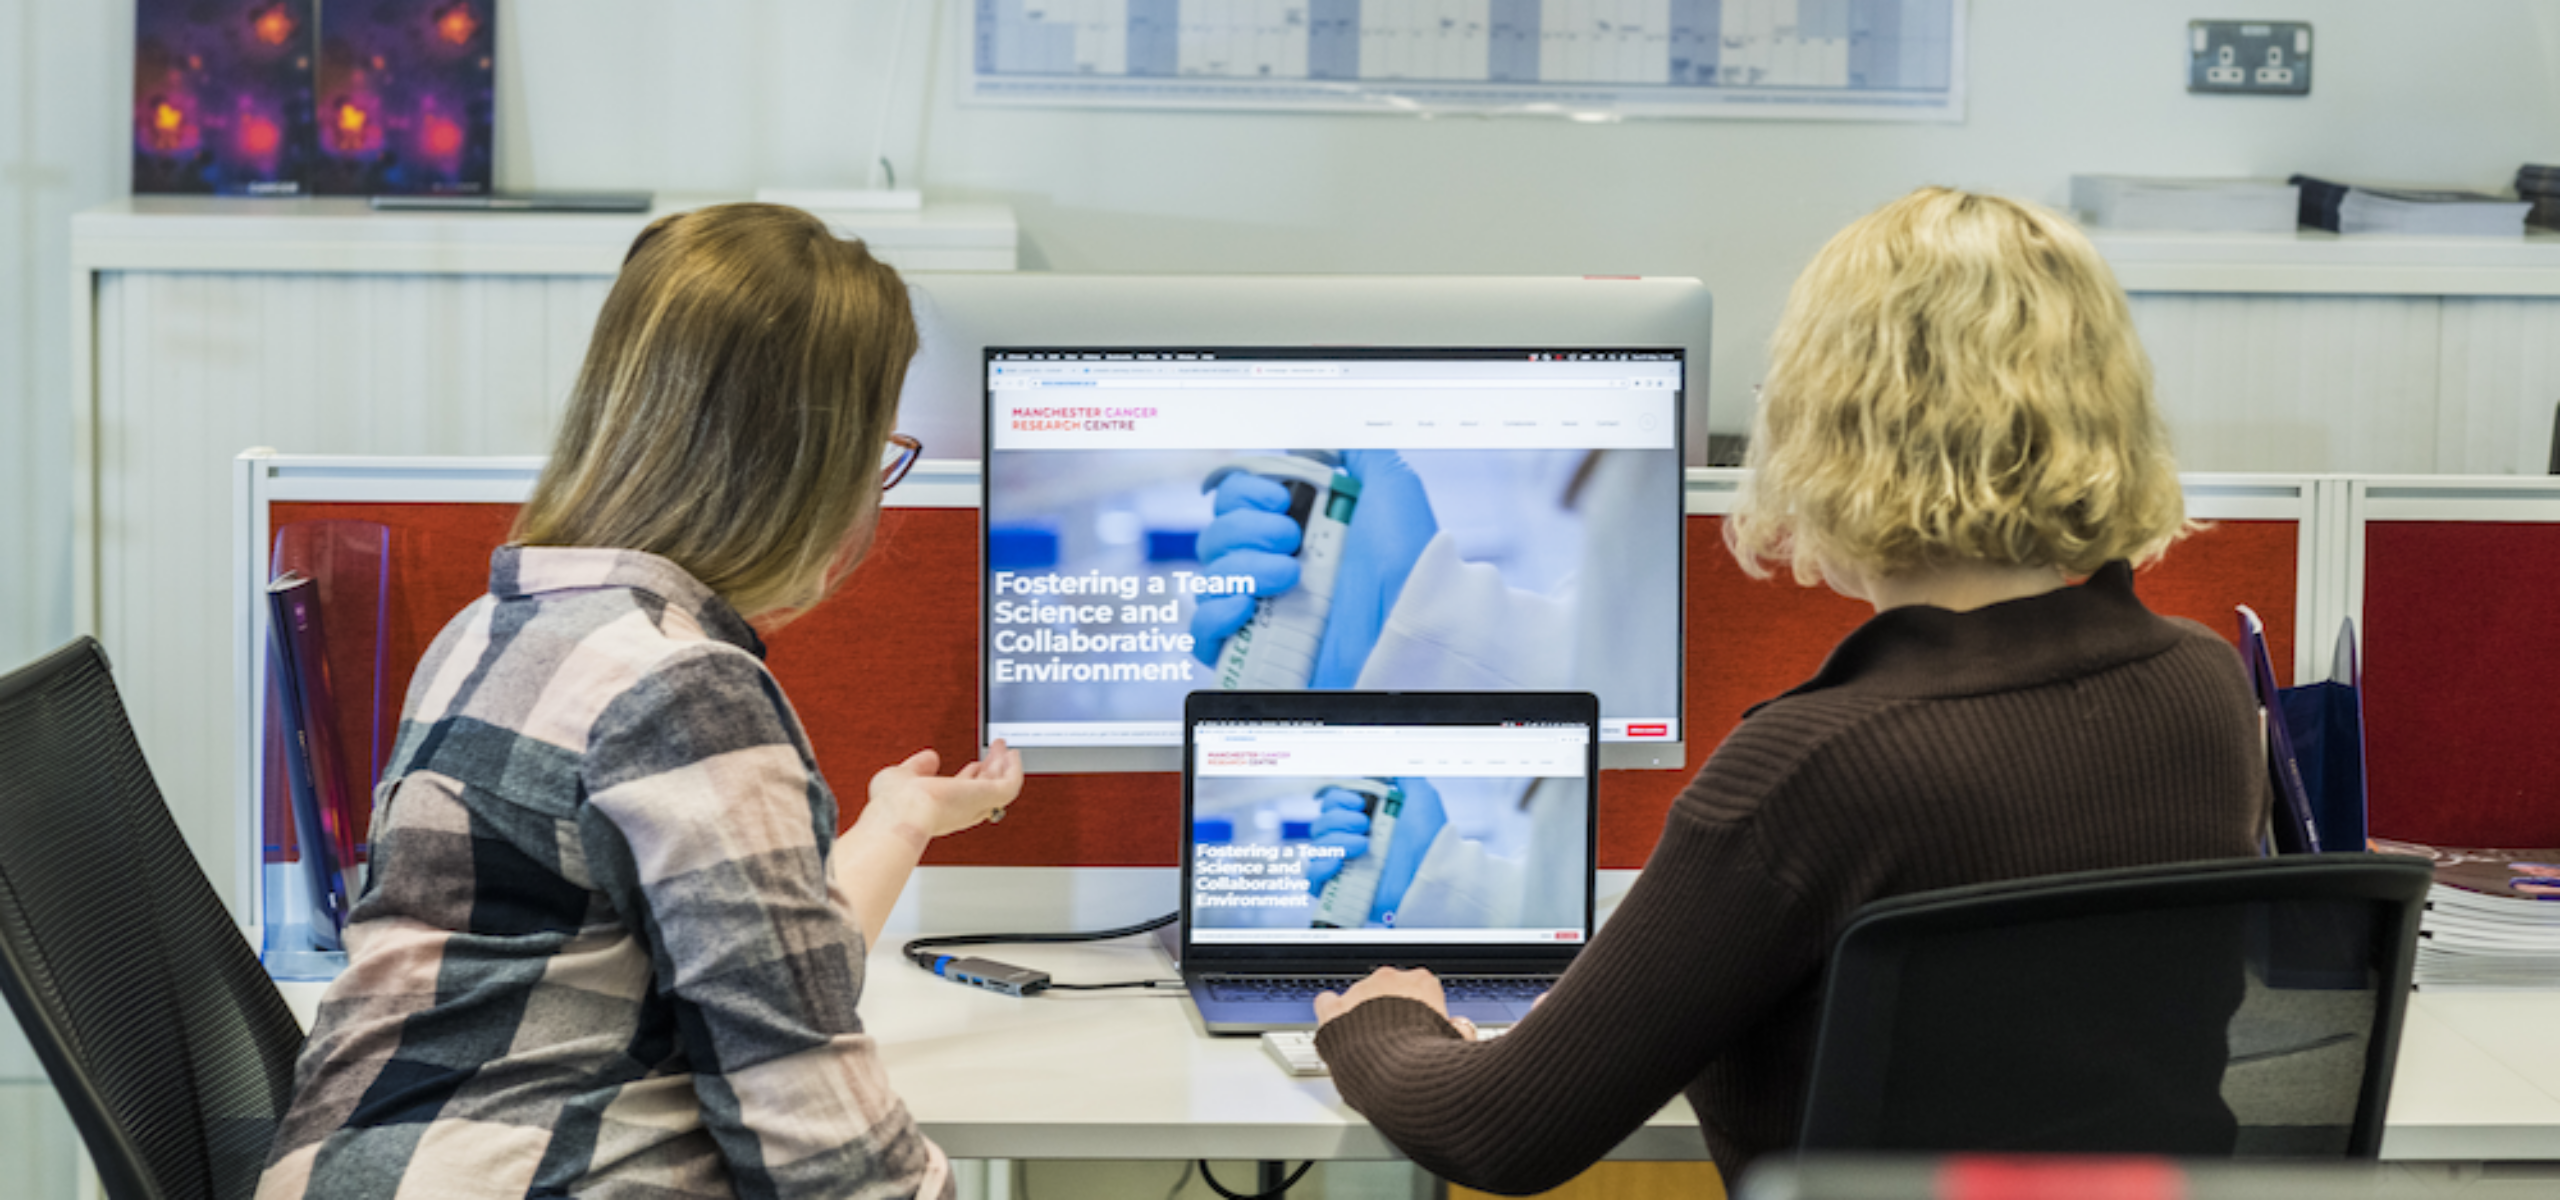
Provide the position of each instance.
(611, 942)
(1957, 428)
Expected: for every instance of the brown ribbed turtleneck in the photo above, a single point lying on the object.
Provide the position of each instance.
(2064, 732)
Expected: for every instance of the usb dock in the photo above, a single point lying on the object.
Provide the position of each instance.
(992, 975)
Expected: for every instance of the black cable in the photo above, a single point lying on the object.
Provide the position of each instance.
(996, 939)
(1273, 1194)
(1019, 981)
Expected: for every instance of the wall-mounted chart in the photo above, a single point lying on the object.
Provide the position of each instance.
(1830, 59)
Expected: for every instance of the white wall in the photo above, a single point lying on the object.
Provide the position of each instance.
(667, 98)
(61, 116)
(726, 95)
(62, 74)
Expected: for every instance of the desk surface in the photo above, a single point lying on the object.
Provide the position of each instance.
(1109, 1075)
(1130, 1075)
(2478, 1078)
(1119, 1075)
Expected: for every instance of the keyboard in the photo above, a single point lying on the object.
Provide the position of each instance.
(1295, 1049)
(1519, 988)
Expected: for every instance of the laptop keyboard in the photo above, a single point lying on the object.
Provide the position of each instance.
(1248, 988)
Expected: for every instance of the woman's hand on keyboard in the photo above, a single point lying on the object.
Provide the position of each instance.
(1416, 984)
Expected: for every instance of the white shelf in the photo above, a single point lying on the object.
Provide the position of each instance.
(2317, 262)
(345, 236)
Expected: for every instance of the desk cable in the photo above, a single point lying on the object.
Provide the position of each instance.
(1021, 981)
(1200, 1167)
(1273, 1192)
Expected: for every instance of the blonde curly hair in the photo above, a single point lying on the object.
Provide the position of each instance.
(1956, 379)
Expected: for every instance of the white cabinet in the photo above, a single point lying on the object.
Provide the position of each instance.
(2370, 355)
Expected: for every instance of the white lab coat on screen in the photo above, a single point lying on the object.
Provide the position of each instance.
(1457, 625)
(1460, 886)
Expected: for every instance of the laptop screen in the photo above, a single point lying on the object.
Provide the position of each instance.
(1341, 821)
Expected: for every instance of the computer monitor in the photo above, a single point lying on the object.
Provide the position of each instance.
(961, 313)
(1458, 518)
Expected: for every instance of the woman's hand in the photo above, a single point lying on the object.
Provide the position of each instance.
(910, 806)
(935, 804)
(1416, 984)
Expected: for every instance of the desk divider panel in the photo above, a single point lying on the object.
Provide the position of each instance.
(2459, 582)
(1750, 640)
(890, 664)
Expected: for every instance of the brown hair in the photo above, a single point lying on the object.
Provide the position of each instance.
(734, 406)
(1956, 378)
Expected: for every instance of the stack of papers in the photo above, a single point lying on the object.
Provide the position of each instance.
(2493, 918)
(2196, 205)
(2347, 208)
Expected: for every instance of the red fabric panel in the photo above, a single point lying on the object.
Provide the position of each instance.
(2082, 1177)
(439, 563)
(2458, 688)
(2229, 564)
(1750, 640)
(889, 666)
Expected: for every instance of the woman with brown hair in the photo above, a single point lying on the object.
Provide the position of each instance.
(611, 942)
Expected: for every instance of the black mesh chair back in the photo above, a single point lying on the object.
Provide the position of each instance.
(163, 1035)
(2234, 1008)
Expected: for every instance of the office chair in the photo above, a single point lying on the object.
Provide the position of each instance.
(2232, 1008)
(163, 1035)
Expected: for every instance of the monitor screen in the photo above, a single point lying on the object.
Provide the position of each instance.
(1509, 862)
(1160, 520)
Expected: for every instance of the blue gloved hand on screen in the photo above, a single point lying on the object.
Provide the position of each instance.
(1418, 824)
(1344, 821)
(1388, 531)
(1249, 534)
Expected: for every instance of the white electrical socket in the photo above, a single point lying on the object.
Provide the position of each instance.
(2225, 70)
(2249, 57)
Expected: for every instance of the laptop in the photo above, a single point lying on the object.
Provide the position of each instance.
(1328, 833)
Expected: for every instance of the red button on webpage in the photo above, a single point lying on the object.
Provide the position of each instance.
(1637, 729)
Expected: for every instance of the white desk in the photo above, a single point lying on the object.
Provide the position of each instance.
(1108, 1075)
(1120, 1075)
(2478, 1079)
(1099, 1075)
(1129, 1075)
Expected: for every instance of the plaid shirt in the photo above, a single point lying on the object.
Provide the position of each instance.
(598, 953)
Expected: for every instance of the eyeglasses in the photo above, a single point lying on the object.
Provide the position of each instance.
(900, 456)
